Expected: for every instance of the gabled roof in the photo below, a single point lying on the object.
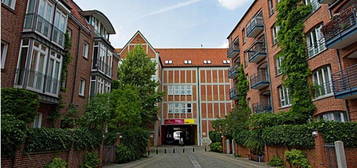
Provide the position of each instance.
(197, 56)
(102, 18)
(138, 33)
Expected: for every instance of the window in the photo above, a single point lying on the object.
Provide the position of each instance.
(4, 47)
(226, 61)
(244, 36)
(37, 67)
(60, 25)
(85, 49)
(82, 86)
(45, 12)
(187, 61)
(179, 90)
(271, 8)
(207, 61)
(284, 96)
(315, 41)
(278, 61)
(274, 31)
(180, 107)
(9, 3)
(37, 122)
(53, 73)
(340, 116)
(314, 3)
(322, 80)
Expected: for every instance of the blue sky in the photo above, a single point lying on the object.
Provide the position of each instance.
(171, 23)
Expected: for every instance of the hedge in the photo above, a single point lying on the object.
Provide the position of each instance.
(13, 132)
(336, 131)
(289, 135)
(135, 139)
(21, 103)
(263, 120)
(56, 139)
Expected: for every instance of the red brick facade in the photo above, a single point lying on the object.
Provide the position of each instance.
(269, 95)
(79, 69)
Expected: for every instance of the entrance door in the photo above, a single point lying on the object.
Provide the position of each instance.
(179, 134)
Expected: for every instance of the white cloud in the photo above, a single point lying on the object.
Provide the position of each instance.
(172, 7)
(233, 4)
(224, 44)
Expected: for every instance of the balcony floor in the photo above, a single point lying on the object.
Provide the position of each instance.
(257, 57)
(347, 94)
(344, 39)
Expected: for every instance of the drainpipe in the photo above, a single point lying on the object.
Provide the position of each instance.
(76, 64)
(199, 107)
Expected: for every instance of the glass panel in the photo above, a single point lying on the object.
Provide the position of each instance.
(49, 75)
(56, 77)
(32, 68)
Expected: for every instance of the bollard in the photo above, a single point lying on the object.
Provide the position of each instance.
(193, 149)
(148, 152)
(205, 149)
(157, 151)
(183, 150)
(173, 151)
(165, 150)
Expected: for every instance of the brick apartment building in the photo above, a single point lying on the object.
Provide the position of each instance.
(331, 35)
(196, 88)
(32, 53)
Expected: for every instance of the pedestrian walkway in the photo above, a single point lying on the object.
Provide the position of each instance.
(189, 157)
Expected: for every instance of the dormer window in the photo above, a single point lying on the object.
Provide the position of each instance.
(168, 62)
(226, 61)
(188, 62)
(207, 61)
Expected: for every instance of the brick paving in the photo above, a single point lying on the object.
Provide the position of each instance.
(189, 159)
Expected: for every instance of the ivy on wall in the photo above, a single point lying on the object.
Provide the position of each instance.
(290, 18)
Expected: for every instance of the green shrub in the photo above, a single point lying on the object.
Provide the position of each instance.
(255, 142)
(21, 103)
(215, 136)
(13, 132)
(240, 136)
(276, 162)
(216, 147)
(136, 139)
(91, 160)
(289, 135)
(337, 131)
(56, 139)
(56, 163)
(297, 158)
(124, 154)
(263, 120)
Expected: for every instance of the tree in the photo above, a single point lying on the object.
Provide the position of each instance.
(137, 70)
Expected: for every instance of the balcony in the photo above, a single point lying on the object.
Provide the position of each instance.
(257, 52)
(255, 27)
(341, 31)
(326, 1)
(37, 81)
(103, 67)
(36, 23)
(233, 94)
(345, 83)
(232, 73)
(233, 49)
(259, 80)
(262, 108)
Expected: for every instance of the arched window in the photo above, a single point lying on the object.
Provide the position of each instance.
(340, 116)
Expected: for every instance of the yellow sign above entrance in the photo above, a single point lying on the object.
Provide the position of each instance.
(189, 121)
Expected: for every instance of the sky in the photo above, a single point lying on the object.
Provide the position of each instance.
(171, 23)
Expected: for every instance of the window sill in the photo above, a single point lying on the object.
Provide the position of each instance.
(317, 54)
(82, 96)
(86, 58)
(286, 106)
(278, 74)
(323, 97)
(8, 8)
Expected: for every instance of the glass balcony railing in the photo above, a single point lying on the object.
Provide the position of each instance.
(37, 81)
(259, 80)
(255, 27)
(262, 108)
(103, 67)
(341, 31)
(233, 49)
(232, 73)
(257, 52)
(233, 94)
(345, 83)
(36, 23)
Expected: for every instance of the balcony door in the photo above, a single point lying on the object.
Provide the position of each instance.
(53, 73)
(37, 66)
(44, 18)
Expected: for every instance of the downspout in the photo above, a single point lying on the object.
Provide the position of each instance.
(199, 107)
(76, 64)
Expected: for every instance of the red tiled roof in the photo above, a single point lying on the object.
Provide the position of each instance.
(75, 11)
(196, 55)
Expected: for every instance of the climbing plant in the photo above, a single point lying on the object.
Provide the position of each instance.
(66, 58)
(290, 19)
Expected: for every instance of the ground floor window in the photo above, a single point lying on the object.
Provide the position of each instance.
(37, 121)
(340, 116)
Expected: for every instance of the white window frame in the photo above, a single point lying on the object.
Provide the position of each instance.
(85, 50)
(315, 41)
(321, 78)
(314, 3)
(57, 60)
(37, 68)
(179, 90)
(82, 86)
(275, 29)
(11, 5)
(331, 116)
(175, 108)
(284, 97)
(4, 49)
(278, 62)
(37, 122)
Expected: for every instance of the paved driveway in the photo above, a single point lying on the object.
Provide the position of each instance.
(189, 159)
